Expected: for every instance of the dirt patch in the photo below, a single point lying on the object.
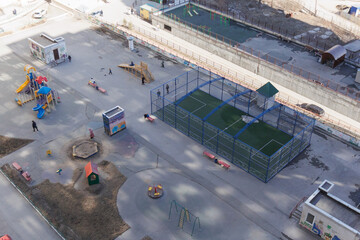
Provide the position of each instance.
(88, 213)
(9, 145)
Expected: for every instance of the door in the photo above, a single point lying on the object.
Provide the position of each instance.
(56, 54)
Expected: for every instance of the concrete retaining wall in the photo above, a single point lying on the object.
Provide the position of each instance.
(327, 97)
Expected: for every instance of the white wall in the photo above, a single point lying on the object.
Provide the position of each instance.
(327, 227)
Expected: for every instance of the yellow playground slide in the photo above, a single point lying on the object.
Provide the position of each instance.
(23, 86)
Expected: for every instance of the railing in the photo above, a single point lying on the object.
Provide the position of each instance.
(164, 44)
(297, 205)
(330, 84)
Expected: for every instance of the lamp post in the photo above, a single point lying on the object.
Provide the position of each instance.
(315, 7)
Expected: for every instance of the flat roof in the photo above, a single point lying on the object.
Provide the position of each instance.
(45, 40)
(111, 112)
(148, 7)
(353, 46)
(337, 210)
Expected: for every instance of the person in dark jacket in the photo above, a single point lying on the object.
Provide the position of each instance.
(34, 126)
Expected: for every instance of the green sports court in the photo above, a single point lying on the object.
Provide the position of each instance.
(247, 128)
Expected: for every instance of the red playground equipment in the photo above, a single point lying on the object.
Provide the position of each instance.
(220, 162)
(147, 116)
(94, 85)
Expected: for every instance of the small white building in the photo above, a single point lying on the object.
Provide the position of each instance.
(266, 96)
(48, 49)
(330, 217)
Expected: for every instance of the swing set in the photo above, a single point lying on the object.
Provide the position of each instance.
(185, 216)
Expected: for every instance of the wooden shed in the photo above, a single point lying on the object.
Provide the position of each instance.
(334, 56)
(92, 173)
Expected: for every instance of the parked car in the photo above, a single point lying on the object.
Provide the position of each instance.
(39, 13)
(5, 237)
(312, 108)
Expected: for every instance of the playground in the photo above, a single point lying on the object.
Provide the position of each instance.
(212, 23)
(200, 200)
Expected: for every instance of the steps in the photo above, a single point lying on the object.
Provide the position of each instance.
(296, 211)
(296, 214)
(23, 98)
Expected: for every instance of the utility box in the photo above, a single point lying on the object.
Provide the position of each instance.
(357, 78)
(114, 120)
(131, 43)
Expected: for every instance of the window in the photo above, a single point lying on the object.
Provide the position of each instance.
(167, 27)
(310, 218)
(93, 177)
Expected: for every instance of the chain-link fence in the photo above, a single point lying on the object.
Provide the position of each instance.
(245, 141)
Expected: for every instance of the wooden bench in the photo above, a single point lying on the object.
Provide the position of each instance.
(17, 166)
(224, 164)
(209, 155)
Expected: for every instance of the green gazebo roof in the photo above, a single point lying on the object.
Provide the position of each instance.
(268, 90)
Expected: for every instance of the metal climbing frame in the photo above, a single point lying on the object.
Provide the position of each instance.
(184, 216)
(165, 104)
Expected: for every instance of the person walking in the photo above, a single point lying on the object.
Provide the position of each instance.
(162, 64)
(34, 126)
(143, 80)
(167, 88)
(69, 57)
(110, 72)
(158, 93)
(59, 171)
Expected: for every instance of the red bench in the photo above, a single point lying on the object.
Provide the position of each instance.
(17, 166)
(209, 155)
(224, 164)
(150, 119)
(26, 175)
